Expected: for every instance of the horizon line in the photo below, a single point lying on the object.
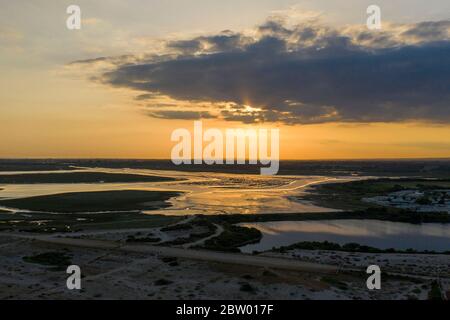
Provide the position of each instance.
(169, 160)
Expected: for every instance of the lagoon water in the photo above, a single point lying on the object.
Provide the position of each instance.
(374, 233)
(220, 193)
(203, 192)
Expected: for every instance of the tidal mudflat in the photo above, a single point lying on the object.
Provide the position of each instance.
(94, 201)
(200, 192)
(208, 215)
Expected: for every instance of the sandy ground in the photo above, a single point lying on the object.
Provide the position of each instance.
(112, 274)
(420, 266)
(427, 265)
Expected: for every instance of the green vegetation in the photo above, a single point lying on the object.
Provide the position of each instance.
(193, 237)
(232, 238)
(143, 239)
(58, 260)
(349, 247)
(247, 287)
(121, 200)
(417, 291)
(74, 208)
(79, 177)
(349, 195)
(334, 282)
(380, 213)
(177, 227)
(424, 201)
(70, 222)
(171, 261)
(163, 282)
(435, 292)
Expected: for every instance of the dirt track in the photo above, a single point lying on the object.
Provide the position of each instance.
(203, 255)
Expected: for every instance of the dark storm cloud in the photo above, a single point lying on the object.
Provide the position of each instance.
(306, 74)
(180, 115)
(430, 30)
(115, 60)
(89, 61)
(225, 41)
(144, 96)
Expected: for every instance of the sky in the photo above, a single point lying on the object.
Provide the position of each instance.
(138, 70)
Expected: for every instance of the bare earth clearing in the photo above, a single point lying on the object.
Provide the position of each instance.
(121, 271)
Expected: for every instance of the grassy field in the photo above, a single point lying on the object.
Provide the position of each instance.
(56, 259)
(199, 221)
(121, 200)
(69, 222)
(385, 214)
(232, 238)
(348, 247)
(78, 177)
(349, 195)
